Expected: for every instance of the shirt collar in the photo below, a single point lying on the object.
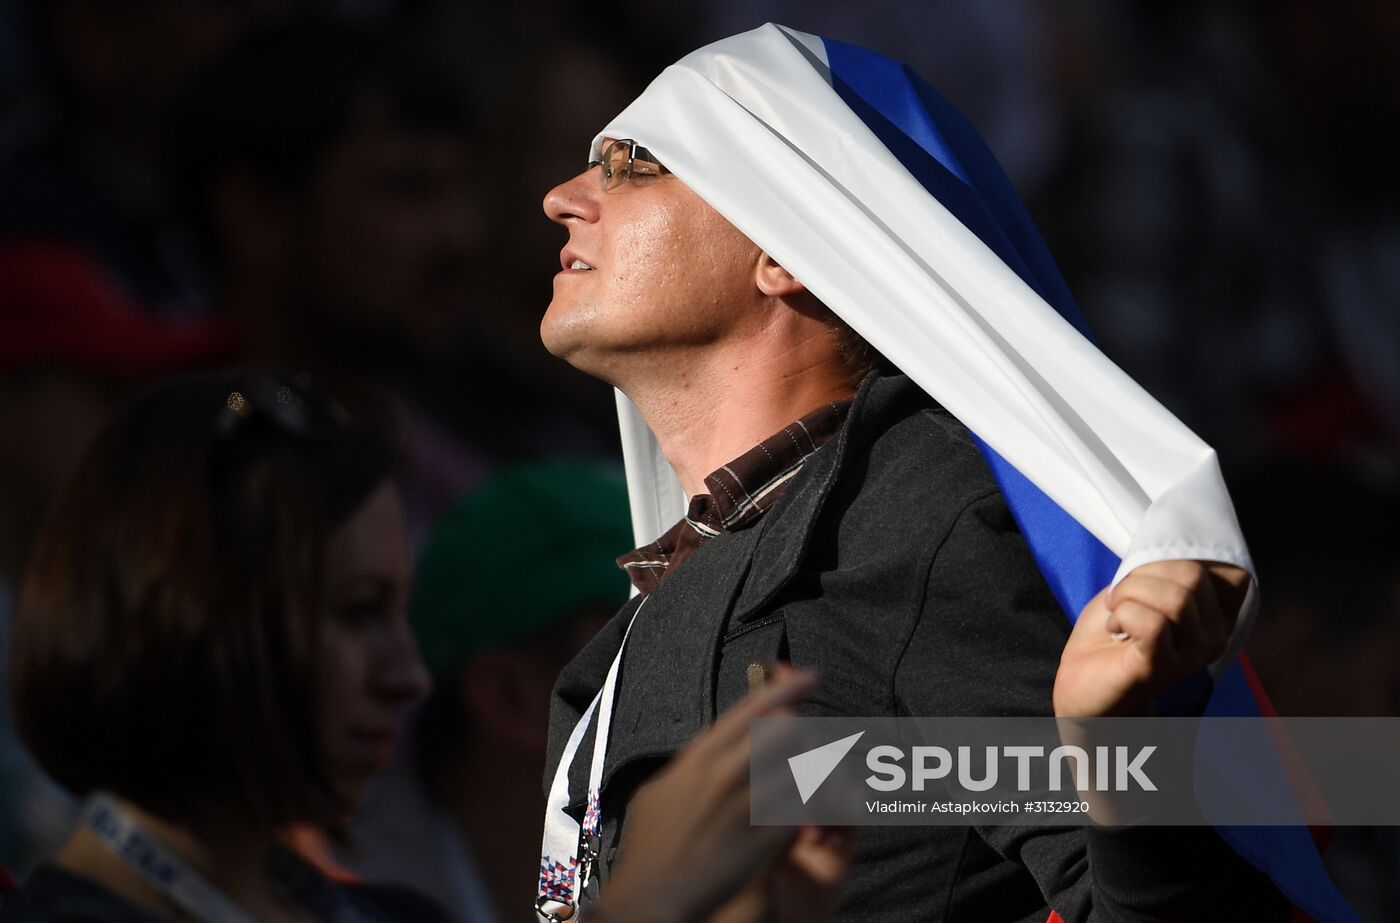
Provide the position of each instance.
(739, 493)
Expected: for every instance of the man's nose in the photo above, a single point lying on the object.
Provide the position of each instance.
(575, 198)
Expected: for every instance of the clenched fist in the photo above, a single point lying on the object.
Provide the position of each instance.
(1158, 626)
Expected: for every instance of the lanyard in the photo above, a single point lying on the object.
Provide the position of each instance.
(172, 876)
(563, 873)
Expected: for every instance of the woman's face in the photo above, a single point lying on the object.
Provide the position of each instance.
(368, 667)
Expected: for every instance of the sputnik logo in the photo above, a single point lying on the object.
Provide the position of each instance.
(811, 769)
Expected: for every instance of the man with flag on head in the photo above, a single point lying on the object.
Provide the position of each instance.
(866, 431)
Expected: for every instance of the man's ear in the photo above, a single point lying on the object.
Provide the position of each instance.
(775, 281)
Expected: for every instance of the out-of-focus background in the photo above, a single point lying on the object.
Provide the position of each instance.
(352, 187)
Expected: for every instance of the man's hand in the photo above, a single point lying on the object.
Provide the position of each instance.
(690, 846)
(804, 885)
(1158, 626)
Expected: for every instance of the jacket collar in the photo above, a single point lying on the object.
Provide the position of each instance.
(789, 526)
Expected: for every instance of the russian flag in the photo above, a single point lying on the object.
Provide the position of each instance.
(942, 150)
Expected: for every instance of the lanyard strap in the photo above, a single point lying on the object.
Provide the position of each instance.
(121, 833)
(170, 874)
(563, 874)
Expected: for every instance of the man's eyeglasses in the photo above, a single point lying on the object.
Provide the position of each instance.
(624, 159)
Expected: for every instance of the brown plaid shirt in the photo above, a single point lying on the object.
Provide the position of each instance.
(739, 494)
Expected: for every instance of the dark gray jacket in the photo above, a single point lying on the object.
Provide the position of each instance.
(892, 567)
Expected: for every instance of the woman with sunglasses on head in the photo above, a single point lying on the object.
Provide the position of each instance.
(212, 645)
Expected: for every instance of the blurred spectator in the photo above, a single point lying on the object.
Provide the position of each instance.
(72, 349)
(1223, 175)
(333, 179)
(457, 818)
(89, 173)
(330, 174)
(212, 642)
(338, 184)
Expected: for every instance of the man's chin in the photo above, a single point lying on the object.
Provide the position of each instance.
(584, 357)
(556, 342)
(565, 338)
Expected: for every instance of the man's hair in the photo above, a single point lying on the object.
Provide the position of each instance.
(279, 104)
(166, 629)
(855, 351)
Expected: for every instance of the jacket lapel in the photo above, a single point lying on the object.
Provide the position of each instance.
(666, 687)
(791, 522)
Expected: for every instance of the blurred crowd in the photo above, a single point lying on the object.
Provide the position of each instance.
(351, 189)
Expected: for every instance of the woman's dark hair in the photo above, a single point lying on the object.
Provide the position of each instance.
(164, 639)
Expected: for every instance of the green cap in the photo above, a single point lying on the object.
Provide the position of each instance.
(530, 547)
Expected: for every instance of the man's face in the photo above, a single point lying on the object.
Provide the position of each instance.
(665, 273)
